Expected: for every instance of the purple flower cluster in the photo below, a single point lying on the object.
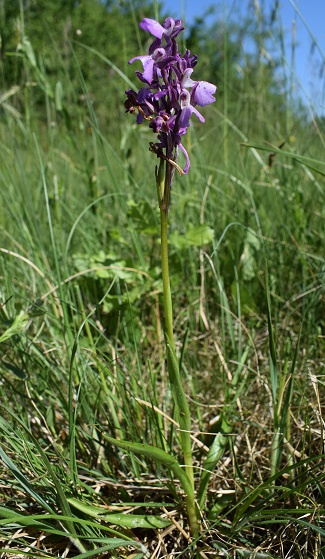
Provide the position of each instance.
(169, 95)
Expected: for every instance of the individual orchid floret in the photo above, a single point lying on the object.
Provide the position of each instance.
(202, 92)
(142, 102)
(148, 62)
(187, 111)
(171, 27)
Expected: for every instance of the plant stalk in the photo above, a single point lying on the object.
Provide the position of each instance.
(163, 178)
(168, 305)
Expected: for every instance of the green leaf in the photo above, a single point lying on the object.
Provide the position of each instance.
(199, 235)
(143, 217)
(122, 518)
(220, 504)
(28, 50)
(58, 96)
(248, 258)
(105, 266)
(252, 239)
(43, 522)
(159, 455)
(248, 263)
(214, 455)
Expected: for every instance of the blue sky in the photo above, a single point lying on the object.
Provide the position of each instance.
(308, 61)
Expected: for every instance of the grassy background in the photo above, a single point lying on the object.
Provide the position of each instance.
(82, 350)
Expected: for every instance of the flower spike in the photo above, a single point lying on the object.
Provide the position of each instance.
(170, 95)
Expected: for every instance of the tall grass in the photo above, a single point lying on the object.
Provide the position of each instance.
(81, 327)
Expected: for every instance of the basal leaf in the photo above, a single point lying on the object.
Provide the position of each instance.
(122, 518)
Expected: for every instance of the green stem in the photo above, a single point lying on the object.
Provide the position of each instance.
(163, 178)
(168, 306)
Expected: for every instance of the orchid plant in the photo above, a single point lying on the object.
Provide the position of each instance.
(166, 101)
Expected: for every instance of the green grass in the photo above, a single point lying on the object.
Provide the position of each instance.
(82, 353)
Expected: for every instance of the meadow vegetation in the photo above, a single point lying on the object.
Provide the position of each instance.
(81, 325)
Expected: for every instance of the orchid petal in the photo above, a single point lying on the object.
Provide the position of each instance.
(142, 58)
(196, 112)
(186, 80)
(184, 119)
(202, 93)
(188, 163)
(148, 66)
(153, 27)
(148, 70)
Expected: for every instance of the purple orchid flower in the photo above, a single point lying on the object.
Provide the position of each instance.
(171, 27)
(170, 95)
(148, 63)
